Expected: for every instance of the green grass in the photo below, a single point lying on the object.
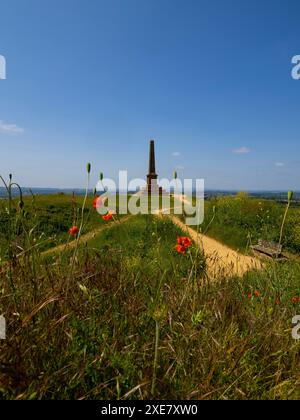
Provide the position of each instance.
(49, 217)
(129, 317)
(241, 221)
(147, 243)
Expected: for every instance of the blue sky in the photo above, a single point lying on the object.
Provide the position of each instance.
(95, 80)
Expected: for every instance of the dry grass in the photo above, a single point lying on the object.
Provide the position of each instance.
(131, 323)
(123, 316)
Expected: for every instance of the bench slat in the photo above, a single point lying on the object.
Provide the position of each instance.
(269, 248)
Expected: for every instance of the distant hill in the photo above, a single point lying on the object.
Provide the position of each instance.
(43, 191)
(271, 195)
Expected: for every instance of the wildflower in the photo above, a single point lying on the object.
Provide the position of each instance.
(290, 195)
(73, 230)
(97, 202)
(249, 296)
(184, 241)
(180, 248)
(257, 293)
(108, 216)
(295, 299)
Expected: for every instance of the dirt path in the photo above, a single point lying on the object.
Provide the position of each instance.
(221, 260)
(84, 238)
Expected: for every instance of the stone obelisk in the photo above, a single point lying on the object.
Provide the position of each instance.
(152, 186)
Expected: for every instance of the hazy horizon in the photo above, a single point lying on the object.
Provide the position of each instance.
(81, 189)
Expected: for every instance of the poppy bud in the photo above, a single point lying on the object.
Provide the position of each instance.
(290, 195)
(101, 176)
(88, 168)
(175, 175)
(21, 205)
(10, 177)
(95, 191)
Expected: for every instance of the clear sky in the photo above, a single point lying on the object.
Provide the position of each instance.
(94, 80)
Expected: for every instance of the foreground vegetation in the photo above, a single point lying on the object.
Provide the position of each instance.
(124, 315)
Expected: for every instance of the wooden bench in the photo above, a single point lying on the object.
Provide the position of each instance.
(273, 249)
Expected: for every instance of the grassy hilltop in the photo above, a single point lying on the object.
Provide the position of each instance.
(240, 221)
(122, 314)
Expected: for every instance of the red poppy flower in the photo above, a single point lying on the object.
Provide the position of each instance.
(249, 296)
(295, 299)
(73, 230)
(180, 248)
(97, 202)
(108, 216)
(184, 241)
(257, 293)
